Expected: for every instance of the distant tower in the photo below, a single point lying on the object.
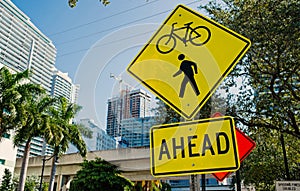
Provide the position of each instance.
(139, 103)
(75, 93)
(62, 86)
(129, 104)
(99, 141)
(136, 130)
(113, 116)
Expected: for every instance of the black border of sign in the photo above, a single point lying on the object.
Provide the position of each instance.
(218, 82)
(232, 129)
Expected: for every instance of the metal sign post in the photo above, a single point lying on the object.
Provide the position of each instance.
(194, 183)
(203, 186)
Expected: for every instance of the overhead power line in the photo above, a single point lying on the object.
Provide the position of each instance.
(118, 26)
(110, 29)
(107, 43)
(101, 19)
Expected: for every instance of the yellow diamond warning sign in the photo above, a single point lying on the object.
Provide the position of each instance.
(186, 59)
(195, 147)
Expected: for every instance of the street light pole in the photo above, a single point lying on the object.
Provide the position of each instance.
(43, 167)
(42, 174)
(287, 173)
(203, 183)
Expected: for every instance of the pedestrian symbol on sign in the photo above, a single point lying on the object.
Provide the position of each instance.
(171, 66)
(186, 67)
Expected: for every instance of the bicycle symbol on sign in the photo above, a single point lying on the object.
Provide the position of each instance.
(197, 36)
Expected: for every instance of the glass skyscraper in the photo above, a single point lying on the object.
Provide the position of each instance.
(129, 104)
(136, 130)
(129, 118)
(99, 140)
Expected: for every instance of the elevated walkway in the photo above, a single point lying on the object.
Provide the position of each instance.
(134, 162)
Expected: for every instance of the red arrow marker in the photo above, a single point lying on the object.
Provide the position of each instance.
(245, 146)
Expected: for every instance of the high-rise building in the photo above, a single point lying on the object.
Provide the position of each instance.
(99, 140)
(24, 46)
(129, 104)
(136, 130)
(75, 93)
(62, 86)
(7, 154)
(113, 117)
(38, 147)
(139, 103)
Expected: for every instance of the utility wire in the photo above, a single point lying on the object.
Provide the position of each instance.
(104, 44)
(116, 27)
(109, 29)
(101, 19)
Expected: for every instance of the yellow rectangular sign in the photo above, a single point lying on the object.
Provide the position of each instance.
(196, 147)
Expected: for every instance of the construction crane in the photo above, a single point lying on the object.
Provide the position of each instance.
(118, 78)
(121, 81)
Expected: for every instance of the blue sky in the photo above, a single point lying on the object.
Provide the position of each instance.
(93, 41)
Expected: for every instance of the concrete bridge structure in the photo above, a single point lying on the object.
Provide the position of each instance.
(135, 162)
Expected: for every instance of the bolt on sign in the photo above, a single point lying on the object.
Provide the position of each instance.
(186, 60)
(195, 147)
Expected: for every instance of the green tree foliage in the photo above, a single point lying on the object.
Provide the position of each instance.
(9, 95)
(73, 3)
(271, 65)
(266, 164)
(32, 113)
(165, 186)
(6, 184)
(31, 183)
(12, 89)
(20, 110)
(45, 186)
(151, 185)
(165, 114)
(64, 132)
(99, 175)
(271, 69)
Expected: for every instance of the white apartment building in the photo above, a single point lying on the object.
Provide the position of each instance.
(24, 46)
(75, 93)
(7, 154)
(62, 86)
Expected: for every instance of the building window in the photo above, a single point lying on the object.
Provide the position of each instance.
(2, 161)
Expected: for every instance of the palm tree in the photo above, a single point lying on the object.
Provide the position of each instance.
(10, 92)
(35, 120)
(65, 133)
